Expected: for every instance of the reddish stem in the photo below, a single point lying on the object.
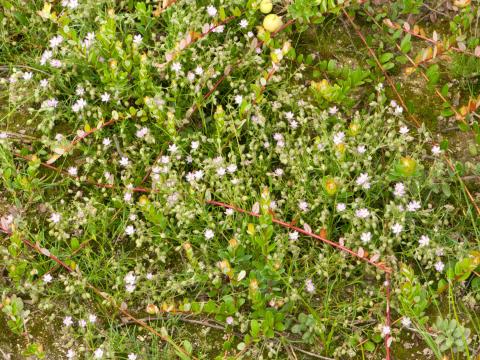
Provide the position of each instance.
(387, 337)
(307, 233)
(87, 181)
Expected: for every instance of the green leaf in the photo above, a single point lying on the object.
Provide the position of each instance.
(255, 328)
(386, 57)
(433, 74)
(446, 190)
(406, 44)
(476, 284)
(463, 126)
(369, 346)
(388, 66)
(444, 145)
(188, 346)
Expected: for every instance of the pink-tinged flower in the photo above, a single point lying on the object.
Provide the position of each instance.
(209, 234)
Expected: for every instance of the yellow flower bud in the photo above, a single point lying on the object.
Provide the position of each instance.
(272, 22)
(266, 6)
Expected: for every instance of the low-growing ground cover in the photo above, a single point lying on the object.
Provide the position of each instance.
(239, 179)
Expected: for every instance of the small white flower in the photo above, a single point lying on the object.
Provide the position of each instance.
(303, 205)
(229, 320)
(172, 148)
(309, 286)
(362, 213)
(43, 83)
(397, 228)
(333, 110)
(132, 356)
(338, 138)
(141, 133)
(341, 207)
(436, 150)
(293, 236)
(366, 237)
(82, 323)
(243, 23)
(50, 103)
(56, 63)
(363, 181)
(80, 91)
(231, 168)
(73, 171)
(385, 330)
(190, 76)
(424, 240)
(219, 29)
(404, 130)
(413, 206)
(399, 190)
(129, 230)
(79, 105)
(379, 87)
(105, 97)
(198, 175)
(229, 212)
(70, 354)
(130, 278)
(130, 288)
(27, 76)
(56, 41)
(149, 276)
(137, 39)
(128, 196)
(88, 41)
(98, 353)
(398, 110)
(194, 145)
(361, 149)
(211, 10)
(190, 177)
(406, 321)
(238, 99)
(278, 172)
(67, 321)
(209, 234)
(106, 142)
(221, 171)
(199, 70)
(439, 266)
(47, 55)
(124, 161)
(55, 218)
(176, 66)
(47, 278)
